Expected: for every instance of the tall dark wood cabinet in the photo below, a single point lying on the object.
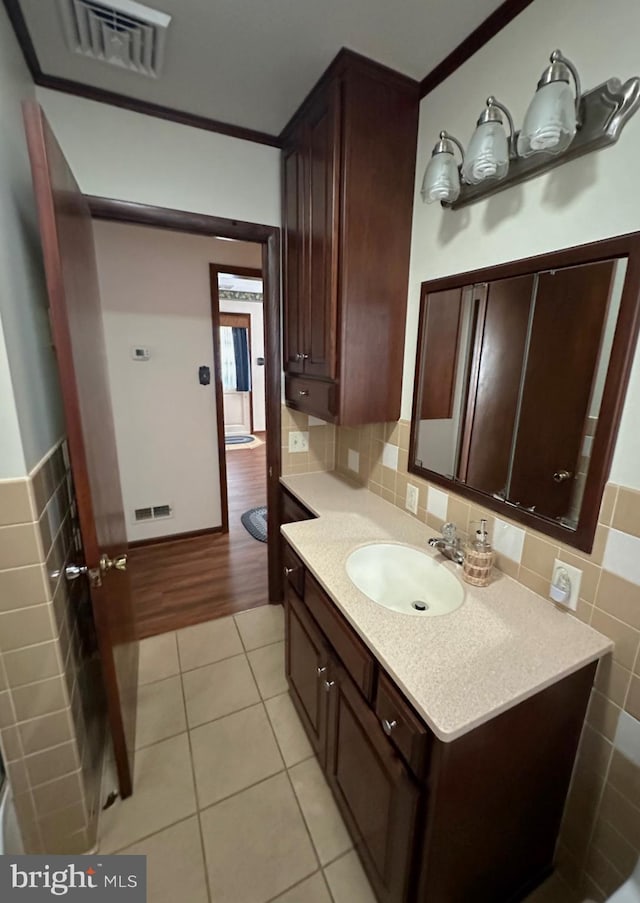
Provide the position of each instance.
(348, 183)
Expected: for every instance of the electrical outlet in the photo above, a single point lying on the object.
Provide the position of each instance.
(353, 461)
(575, 576)
(298, 441)
(411, 503)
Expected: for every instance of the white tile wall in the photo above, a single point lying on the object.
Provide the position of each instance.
(508, 540)
(437, 503)
(622, 555)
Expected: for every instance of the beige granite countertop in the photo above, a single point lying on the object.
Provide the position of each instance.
(503, 645)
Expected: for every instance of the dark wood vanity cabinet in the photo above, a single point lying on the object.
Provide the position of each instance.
(375, 791)
(348, 182)
(433, 822)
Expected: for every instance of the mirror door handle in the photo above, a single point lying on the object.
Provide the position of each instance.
(561, 475)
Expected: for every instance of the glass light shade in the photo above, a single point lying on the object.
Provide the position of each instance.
(550, 122)
(441, 179)
(487, 156)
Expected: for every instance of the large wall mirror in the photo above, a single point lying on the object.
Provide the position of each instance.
(521, 373)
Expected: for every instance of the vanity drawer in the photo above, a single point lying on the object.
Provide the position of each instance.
(401, 724)
(355, 656)
(293, 569)
(314, 396)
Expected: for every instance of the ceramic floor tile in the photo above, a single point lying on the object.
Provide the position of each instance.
(160, 711)
(163, 794)
(261, 626)
(326, 827)
(292, 740)
(347, 880)
(219, 689)
(267, 665)
(312, 890)
(158, 658)
(206, 643)
(175, 867)
(232, 753)
(256, 844)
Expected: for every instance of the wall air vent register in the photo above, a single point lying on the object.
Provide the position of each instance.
(156, 512)
(119, 32)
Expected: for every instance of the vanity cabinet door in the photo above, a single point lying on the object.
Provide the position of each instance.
(373, 788)
(307, 659)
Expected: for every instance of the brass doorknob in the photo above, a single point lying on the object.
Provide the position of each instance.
(119, 563)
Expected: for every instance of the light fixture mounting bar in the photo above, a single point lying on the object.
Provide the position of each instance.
(605, 110)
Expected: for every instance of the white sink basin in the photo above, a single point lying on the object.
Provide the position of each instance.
(404, 579)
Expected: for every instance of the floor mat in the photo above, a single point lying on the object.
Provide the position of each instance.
(255, 522)
(232, 442)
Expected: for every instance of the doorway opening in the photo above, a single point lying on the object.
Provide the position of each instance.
(200, 574)
(237, 311)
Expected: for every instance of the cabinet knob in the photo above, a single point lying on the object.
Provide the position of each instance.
(561, 475)
(303, 392)
(328, 684)
(388, 726)
(299, 356)
(320, 671)
(304, 357)
(288, 571)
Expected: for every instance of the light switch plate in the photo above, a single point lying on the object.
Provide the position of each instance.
(353, 461)
(298, 441)
(575, 576)
(411, 503)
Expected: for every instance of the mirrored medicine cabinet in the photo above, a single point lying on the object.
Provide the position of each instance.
(521, 373)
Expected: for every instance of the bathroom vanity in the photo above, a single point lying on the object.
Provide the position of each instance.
(448, 741)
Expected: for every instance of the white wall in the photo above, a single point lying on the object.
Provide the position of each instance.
(255, 311)
(155, 292)
(30, 412)
(119, 154)
(585, 200)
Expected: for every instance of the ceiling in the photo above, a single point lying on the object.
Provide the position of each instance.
(251, 62)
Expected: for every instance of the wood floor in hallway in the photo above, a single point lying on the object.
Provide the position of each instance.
(176, 584)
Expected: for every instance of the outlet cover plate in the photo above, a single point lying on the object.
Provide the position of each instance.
(298, 441)
(411, 503)
(575, 576)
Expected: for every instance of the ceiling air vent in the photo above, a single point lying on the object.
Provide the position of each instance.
(121, 32)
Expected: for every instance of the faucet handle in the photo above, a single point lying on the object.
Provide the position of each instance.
(449, 532)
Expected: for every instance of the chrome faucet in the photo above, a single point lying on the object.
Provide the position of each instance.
(449, 543)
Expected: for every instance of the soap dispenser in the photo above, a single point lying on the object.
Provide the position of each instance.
(479, 557)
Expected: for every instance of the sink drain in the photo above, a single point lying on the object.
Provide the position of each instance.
(420, 606)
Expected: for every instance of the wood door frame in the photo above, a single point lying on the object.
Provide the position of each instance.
(245, 324)
(214, 271)
(269, 239)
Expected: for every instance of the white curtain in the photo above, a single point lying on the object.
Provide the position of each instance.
(228, 356)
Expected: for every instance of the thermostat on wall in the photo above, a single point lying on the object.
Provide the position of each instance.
(140, 354)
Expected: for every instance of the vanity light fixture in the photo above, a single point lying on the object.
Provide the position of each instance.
(552, 119)
(489, 150)
(442, 177)
(561, 123)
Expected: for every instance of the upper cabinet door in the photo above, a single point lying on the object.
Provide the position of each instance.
(323, 186)
(294, 254)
